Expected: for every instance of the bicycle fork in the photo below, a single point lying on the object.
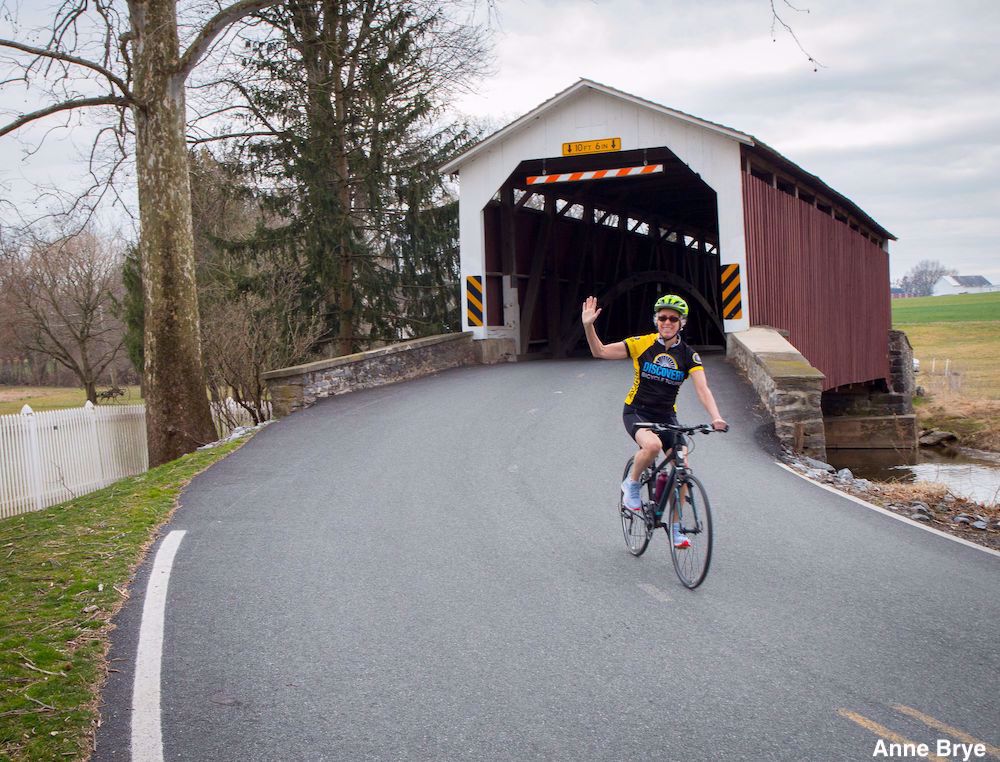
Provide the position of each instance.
(687, 512)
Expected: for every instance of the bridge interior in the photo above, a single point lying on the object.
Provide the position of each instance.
(625, 240)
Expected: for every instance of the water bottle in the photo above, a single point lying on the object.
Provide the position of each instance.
(661, 483)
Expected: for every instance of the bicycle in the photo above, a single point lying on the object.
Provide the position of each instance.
(685, 502)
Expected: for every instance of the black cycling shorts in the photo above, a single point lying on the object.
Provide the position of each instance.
(633, 415)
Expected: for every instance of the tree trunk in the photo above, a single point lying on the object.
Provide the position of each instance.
(323, 30)
(178, 418)
(345, 341)
(91, 389)
(345, 276)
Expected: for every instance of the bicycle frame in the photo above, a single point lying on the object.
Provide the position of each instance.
(675, 479)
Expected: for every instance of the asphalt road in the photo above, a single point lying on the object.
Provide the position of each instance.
(435, 570)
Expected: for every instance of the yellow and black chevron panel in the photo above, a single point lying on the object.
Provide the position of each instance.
(732, 302)
(474, 299)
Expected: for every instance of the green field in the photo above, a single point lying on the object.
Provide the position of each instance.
(957, 336)
(13, 398)
(946, 309)
(957, 340)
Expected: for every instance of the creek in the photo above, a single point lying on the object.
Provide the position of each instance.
(973, 474)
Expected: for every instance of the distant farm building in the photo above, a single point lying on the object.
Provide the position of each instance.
(962, 284)
(600, 192)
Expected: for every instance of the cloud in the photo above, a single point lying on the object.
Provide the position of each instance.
(902, 118)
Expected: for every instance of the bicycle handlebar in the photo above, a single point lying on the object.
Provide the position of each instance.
(703, 428)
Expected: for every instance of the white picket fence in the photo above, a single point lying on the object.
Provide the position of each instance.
(56, 455)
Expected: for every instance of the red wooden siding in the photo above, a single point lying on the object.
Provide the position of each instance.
(823, 282)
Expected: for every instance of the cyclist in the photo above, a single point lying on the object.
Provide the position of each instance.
(662, 361)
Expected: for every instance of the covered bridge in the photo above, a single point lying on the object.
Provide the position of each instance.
(597, 191)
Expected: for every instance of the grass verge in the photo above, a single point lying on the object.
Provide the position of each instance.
(908, 492)
(64, 573)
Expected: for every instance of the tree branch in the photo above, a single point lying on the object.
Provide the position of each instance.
(57, 55)
(776, 19)
(252, 106)
(108, 100)
(216, 26)
(232, 135)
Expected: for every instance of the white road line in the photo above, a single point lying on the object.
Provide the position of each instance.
(147, 737)
(889, 513)
(654, 591)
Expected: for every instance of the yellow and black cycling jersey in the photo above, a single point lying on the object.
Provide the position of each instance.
(659, 372)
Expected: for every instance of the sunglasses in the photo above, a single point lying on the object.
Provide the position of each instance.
(668, 318)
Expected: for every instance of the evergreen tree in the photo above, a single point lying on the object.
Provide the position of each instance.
(131, 311)
(351, 95)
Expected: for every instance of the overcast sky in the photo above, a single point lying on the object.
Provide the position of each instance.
(903, 116)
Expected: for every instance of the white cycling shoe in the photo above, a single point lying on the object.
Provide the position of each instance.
(680, 540)
(631, 495)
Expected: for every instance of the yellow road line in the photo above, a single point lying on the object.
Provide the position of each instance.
(935, 723)
(881, 731)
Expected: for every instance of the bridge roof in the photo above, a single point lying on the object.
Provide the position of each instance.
(753, 144)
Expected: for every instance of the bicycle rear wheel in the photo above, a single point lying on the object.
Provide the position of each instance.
(634, 527)
(694, 515)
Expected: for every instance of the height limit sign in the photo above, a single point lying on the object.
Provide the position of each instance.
(603, 145)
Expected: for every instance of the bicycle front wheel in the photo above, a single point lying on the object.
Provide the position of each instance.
(634, 527)
(693, 517)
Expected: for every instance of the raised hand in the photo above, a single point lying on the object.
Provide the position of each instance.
(590, 310)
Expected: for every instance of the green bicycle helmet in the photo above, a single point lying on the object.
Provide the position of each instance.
(671, 302)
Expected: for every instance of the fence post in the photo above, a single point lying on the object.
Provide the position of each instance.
(34, 455)
(95, 444)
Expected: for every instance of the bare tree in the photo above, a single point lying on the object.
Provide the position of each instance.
(249, 330)
(61, 297)
(254, 316)
(137, 67)
(12, 366)
(920, 280)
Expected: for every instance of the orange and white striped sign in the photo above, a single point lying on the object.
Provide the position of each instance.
(597, 174)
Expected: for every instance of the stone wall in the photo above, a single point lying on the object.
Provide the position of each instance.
(901, 377)
(879, 414)
(300, 386)
(865, 399)
(788, 386)
(871, 432)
